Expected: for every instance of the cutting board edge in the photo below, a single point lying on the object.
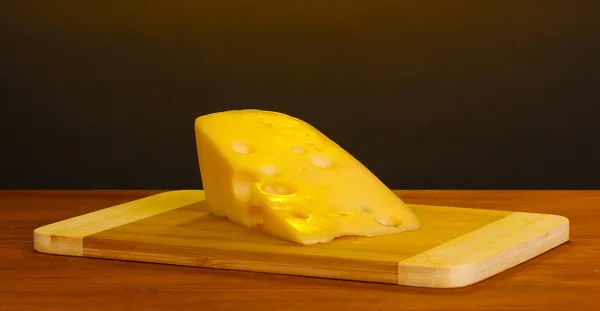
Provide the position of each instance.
(533, 235)
(65, 237)
(60, 238)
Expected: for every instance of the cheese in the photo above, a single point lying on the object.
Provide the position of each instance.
(278, 173)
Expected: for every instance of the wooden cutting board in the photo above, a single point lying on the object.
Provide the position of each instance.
(456, 246)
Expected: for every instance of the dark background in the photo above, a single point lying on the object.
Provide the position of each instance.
(427, 94)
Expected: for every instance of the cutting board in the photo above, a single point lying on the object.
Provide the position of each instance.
(455, 247)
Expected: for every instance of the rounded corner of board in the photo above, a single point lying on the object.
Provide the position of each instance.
(559, 226)
(446, 276)
(64, 237)
(42, 240)
(45, 241)
(560, 219)
(485, 252)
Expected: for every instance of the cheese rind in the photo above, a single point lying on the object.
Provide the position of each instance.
(271, 170)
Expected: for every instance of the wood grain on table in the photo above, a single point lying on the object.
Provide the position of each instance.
(566, 278)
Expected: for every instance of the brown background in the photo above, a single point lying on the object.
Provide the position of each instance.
(427, 94)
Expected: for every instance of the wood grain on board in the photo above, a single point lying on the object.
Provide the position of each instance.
(455, 247)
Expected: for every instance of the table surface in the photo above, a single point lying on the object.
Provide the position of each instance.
(566, 278)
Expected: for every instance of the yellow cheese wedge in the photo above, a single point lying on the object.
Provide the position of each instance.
(280, 174)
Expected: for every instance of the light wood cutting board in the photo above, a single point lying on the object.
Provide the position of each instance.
(456, 246)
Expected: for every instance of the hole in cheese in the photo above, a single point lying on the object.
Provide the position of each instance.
(320, 160)
(388, 221)
(269, 170)
(277, 187)
(242, 185)
(301, 215)
(299, 149)
(242, 147)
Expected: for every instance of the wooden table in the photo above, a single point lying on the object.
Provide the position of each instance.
(567, 278)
